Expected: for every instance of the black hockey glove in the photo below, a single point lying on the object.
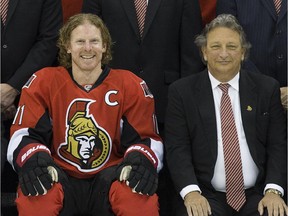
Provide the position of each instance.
(37, 174)
(139, 172)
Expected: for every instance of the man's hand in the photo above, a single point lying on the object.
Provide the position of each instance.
(196, 204)
(9, 113)
(284, 97)
(8, 95)
(275, 205)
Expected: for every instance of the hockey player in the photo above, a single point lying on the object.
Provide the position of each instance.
(85, 139)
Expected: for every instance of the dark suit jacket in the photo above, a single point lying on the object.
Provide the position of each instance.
(28, 40)
(191, 134)
(266, 32)
(166, 52)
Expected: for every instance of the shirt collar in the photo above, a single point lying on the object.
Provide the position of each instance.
(234, 83)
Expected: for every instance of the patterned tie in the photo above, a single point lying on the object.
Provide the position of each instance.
(141, 7)
(4, 9)
(277, 4)
(235, 193)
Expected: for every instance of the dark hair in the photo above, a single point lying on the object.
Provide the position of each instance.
(73, 22)
(227, 21)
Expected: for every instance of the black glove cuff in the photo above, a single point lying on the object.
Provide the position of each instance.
(30, 153)
(141, 151)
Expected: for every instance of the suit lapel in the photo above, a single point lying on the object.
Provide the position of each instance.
(11, 10)
(248, 101)
(204, 96)
(283, 10)
(153, 6)
(130, 10)
(269, 5)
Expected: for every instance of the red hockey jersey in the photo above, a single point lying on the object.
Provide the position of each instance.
(86, 128)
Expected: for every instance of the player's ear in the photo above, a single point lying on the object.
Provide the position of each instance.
(104, 48)
(203, 50)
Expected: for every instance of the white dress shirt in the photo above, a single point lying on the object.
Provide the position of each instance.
(250, 170)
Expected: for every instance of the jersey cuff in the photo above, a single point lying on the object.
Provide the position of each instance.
(145, 150)
(28, 151)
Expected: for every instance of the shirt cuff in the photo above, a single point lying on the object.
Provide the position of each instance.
(274, 186)
(189, 189)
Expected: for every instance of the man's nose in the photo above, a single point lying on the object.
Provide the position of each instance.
(87, 46)
(223, 53)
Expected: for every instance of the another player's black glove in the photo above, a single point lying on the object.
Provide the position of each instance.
(140, 173)
(37, 174)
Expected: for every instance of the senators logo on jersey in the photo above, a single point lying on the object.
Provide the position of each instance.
(88, 145)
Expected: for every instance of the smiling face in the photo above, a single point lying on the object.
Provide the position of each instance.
(86, 48)
(223, 53)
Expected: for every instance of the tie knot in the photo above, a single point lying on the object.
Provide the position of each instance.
(224, 87)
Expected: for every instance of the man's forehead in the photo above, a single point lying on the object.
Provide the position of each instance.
(223, 34)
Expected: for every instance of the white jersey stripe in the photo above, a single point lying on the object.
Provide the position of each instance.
(15, 142)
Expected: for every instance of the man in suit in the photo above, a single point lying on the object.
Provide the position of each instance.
(266, 30)
(28, 43)
(196, 132)
(164, 53)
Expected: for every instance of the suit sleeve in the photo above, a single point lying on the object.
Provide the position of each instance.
(44, 51)
(190, 27)
(276, 149)
(177, 142)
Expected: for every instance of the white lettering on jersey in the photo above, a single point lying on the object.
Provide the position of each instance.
(31, 150)
(19, 113)
(107, 98)
(141, 149)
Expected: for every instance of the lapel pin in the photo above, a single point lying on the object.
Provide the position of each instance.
(249, 108)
